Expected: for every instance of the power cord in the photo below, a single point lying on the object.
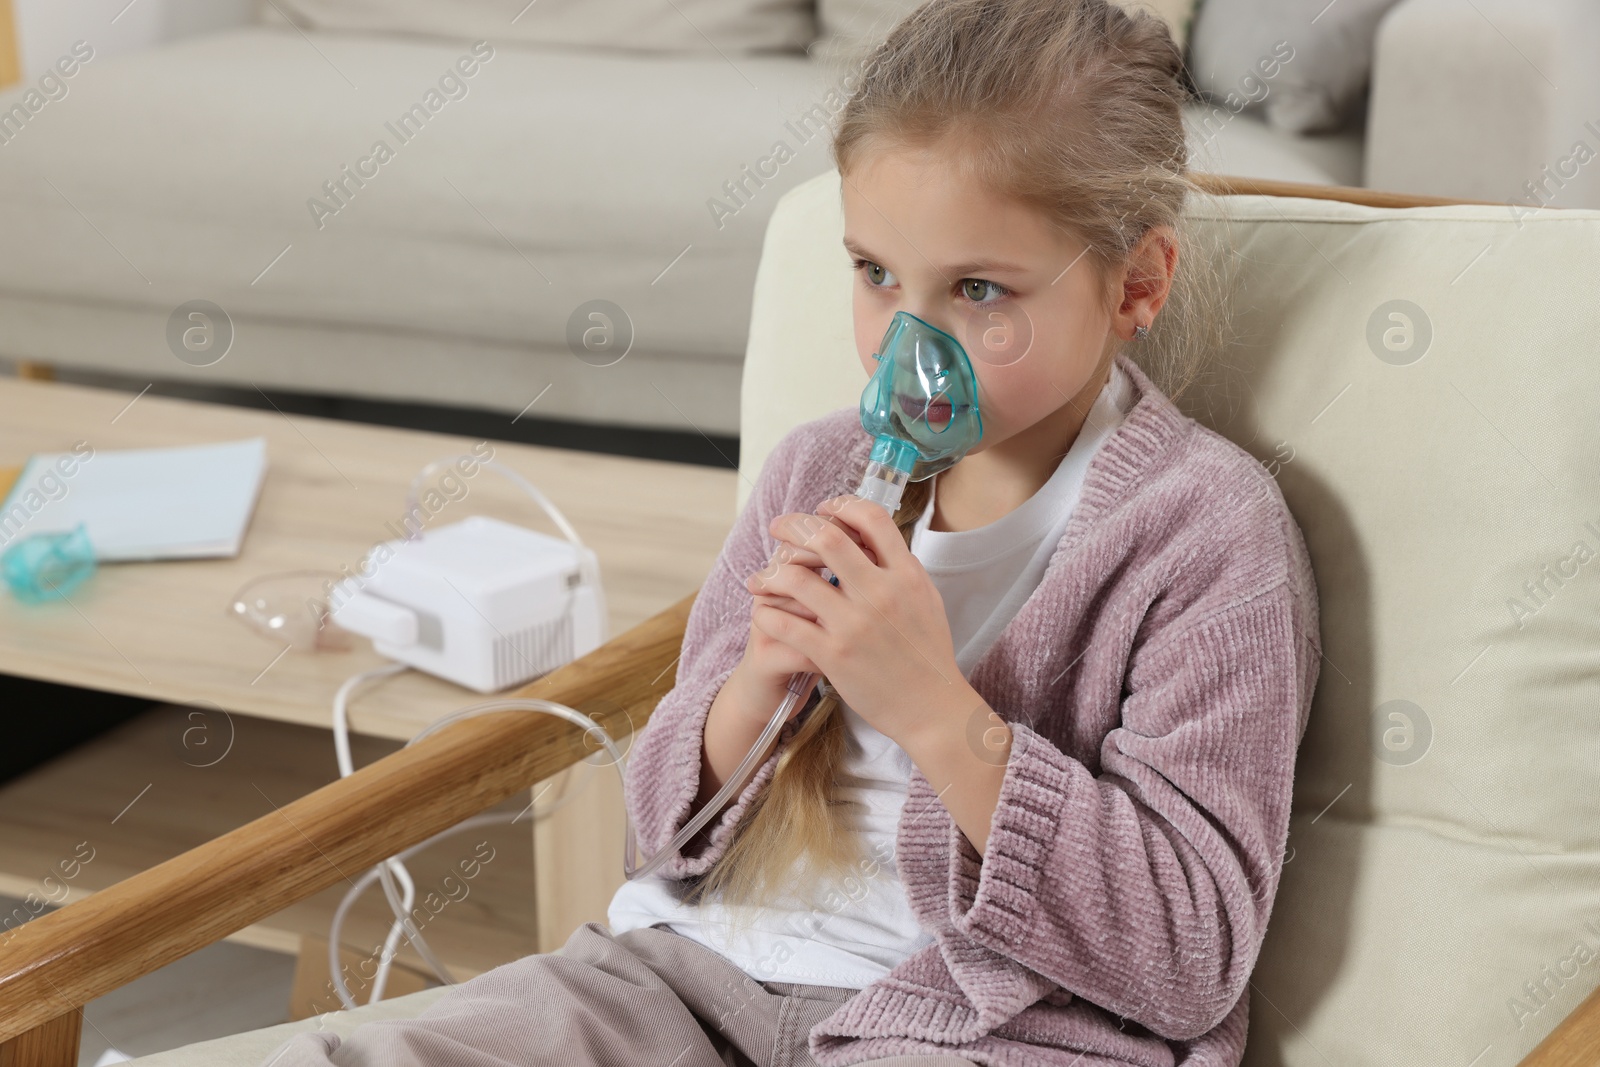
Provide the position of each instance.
(401, 899)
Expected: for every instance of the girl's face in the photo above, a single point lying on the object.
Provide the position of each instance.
(1023, 298)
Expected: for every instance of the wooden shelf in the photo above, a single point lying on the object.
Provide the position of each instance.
(137, 798)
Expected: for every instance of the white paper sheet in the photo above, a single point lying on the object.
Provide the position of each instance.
(146, 503)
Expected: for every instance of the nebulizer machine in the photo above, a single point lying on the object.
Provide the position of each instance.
(921, 409)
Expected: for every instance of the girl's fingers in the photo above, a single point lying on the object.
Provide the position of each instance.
(801, 584)
(786, 603)
(832, 544)
(780, 658)
(869, 525)
(790, 553)
(810, 590)
(795, 530)
(759, 583)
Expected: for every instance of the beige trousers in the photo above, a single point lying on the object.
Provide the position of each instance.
(644, 998)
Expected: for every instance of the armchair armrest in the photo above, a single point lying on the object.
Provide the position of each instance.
(1487, 100)
(1575, 1042)
(55, 964)
(1227, 185)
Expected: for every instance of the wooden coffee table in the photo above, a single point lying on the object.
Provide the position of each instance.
(162, 630)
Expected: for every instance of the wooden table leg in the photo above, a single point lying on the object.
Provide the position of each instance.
(54, 1044)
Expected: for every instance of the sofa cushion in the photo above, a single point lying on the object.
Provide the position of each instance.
(1421, 382)
(1305, 63)
(849, 29)
(672, 26)
(1244, 146)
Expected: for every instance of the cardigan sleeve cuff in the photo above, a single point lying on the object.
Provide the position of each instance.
(685, 762)
(994, 897)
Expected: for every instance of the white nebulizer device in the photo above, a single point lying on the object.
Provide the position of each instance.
(483, 603)
(920, 406)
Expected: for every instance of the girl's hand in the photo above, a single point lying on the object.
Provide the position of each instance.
(881, 635)
(799, 552)
(768, 664)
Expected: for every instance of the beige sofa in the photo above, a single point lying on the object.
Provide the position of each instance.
(1421, 383)
(584, 161)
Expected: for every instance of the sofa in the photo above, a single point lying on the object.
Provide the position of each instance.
(569, 230)
(1426, 408)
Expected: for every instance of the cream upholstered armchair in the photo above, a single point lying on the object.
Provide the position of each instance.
(1423, 383)
(1421, 380)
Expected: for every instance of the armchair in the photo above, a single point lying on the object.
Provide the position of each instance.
(1417, 376)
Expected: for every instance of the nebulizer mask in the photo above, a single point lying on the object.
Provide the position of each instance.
(921, 409)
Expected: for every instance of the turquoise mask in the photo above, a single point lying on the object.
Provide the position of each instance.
(921, 404)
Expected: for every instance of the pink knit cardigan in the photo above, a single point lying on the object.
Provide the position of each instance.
(1157, 683)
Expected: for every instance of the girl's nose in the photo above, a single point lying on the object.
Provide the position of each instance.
(934, 315)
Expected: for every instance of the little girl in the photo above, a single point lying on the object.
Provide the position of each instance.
(1036, 812)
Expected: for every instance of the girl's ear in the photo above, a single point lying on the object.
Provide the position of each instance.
(1146, 280)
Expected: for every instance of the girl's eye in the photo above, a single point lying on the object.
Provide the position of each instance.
(873, 272)
(974, 289)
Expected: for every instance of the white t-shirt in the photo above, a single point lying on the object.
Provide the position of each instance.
(862, 925)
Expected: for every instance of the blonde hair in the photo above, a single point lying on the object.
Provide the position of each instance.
(1072, 107)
